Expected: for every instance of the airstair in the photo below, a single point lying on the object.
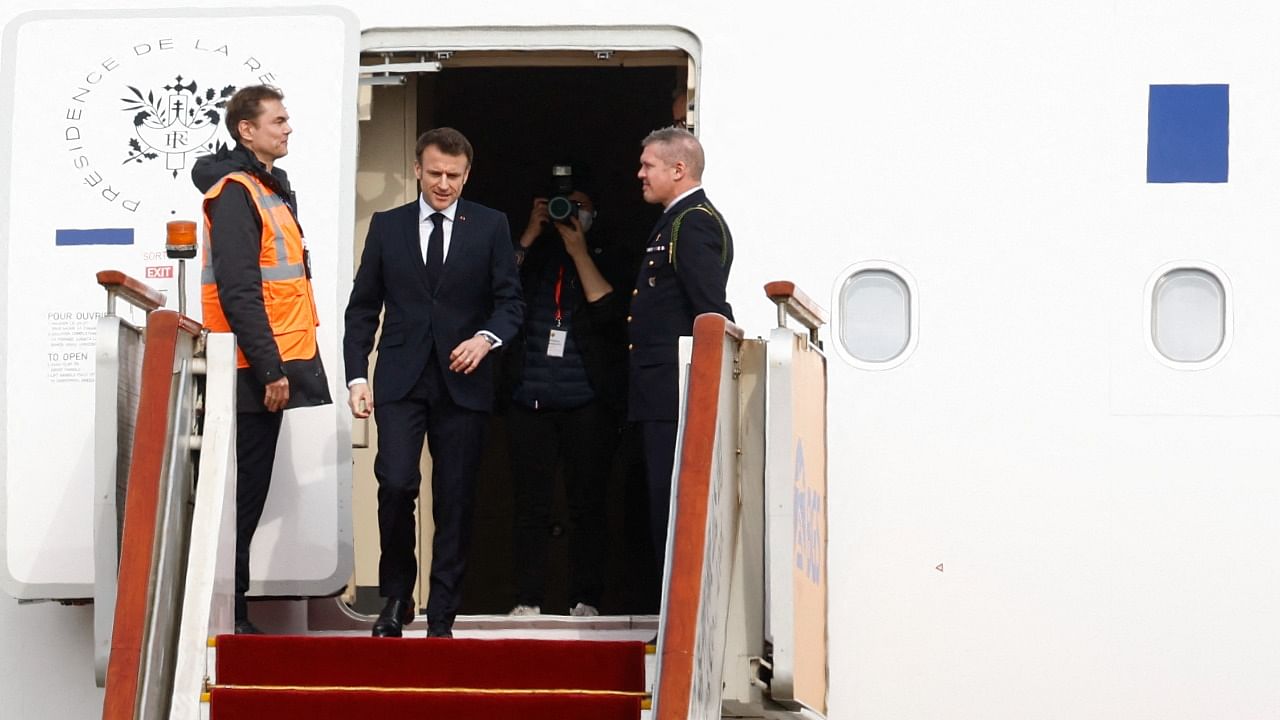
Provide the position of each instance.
(721, 649)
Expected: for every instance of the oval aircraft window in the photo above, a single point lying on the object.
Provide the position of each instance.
(875, 316)
(1188, 315)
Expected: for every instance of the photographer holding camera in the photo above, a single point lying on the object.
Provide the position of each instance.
(567, 372)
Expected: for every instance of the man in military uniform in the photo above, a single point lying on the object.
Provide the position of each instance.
(683, 274)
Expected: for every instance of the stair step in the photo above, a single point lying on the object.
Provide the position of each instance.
(364, 662)
(321, 704)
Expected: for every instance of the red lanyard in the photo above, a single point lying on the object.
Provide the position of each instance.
(559, 284)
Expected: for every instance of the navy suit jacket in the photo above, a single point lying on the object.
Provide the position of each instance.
(478, 289)
(674, 286)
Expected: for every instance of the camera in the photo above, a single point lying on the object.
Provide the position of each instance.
(561, 207)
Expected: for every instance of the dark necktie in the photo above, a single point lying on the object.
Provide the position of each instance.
(435, 249)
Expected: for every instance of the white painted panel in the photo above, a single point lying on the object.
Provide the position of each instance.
(1037, 517)
(77, 122)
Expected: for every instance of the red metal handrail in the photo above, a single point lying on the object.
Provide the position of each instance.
(137, 548)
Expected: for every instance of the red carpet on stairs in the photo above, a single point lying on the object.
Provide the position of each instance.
(314, 677)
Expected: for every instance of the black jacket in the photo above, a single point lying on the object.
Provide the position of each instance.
(599, 328)
(236, 244)
(478, 289)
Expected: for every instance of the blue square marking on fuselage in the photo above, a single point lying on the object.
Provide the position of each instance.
(1187, 133)
(94, 236)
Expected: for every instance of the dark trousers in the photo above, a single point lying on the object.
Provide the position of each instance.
(256, 436)
(659, 459)
(583, 441)
(455, 436)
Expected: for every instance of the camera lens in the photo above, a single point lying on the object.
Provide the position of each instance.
(560, 208)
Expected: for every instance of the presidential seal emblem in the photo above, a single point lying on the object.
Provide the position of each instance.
(136, 119)
(173, 121)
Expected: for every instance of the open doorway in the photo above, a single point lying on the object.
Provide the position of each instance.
(523, 113)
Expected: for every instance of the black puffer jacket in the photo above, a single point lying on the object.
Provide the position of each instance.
(599, 328)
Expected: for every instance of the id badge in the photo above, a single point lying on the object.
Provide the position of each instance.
(555, 346)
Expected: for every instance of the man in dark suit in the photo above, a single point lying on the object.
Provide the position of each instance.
(683, 274)
(443, 270)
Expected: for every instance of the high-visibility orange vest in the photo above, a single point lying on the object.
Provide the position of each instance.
(286, 291)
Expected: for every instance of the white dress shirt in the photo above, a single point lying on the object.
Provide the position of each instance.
(425, 226)
(682, 196)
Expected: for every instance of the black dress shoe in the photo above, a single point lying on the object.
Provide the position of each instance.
(245, 627)
(394, 616)
(440, 630)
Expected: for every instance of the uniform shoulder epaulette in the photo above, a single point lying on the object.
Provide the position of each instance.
(675, 232)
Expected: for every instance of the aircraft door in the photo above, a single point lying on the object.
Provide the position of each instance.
(523, 110)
